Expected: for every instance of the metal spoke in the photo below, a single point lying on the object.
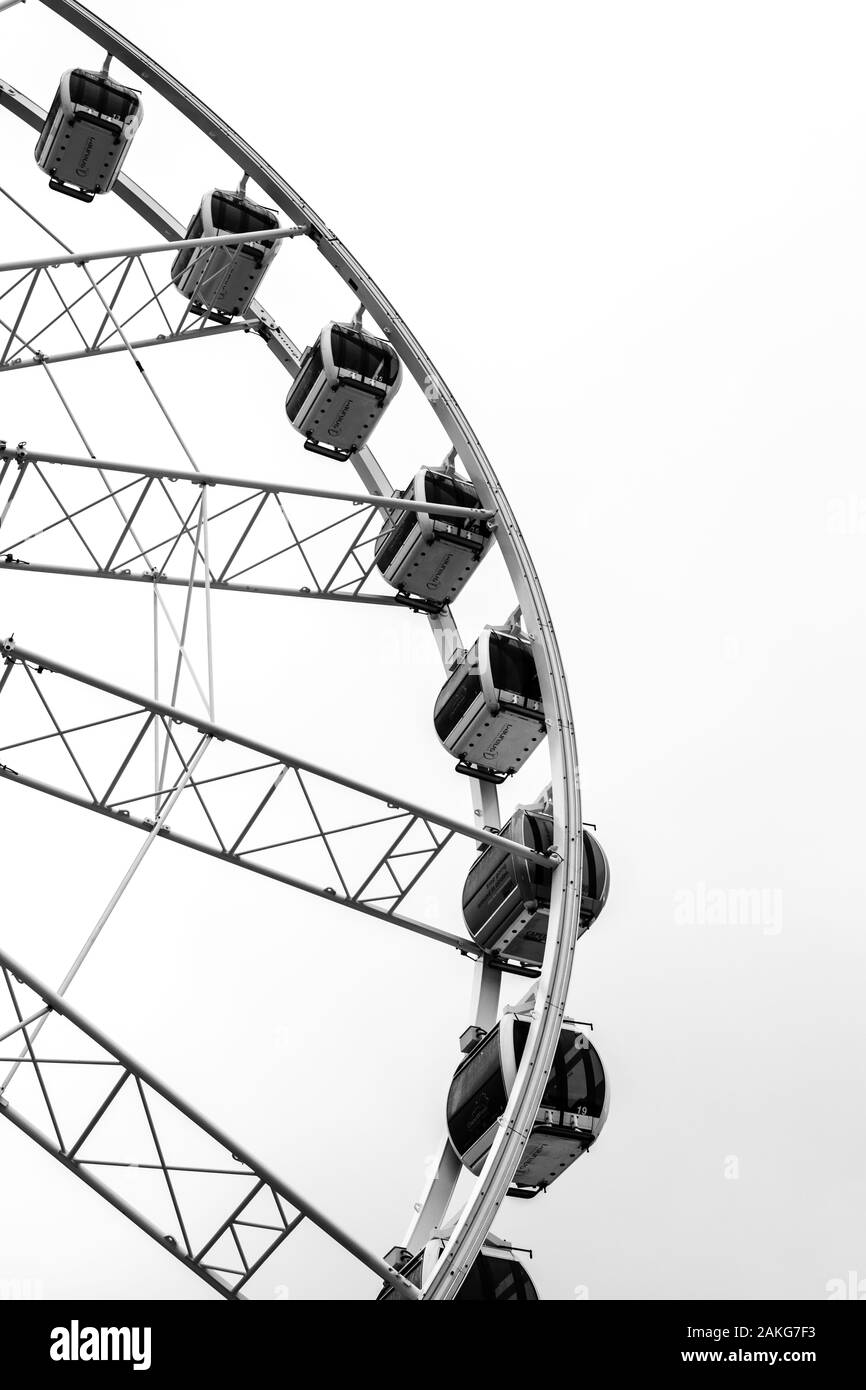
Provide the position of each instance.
(349, 857)
(218, 549)
(93, 1049)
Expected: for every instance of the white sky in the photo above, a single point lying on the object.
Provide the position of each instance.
(631, 238)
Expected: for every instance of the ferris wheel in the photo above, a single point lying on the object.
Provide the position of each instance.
(509, 887)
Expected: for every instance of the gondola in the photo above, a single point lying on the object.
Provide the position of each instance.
(90, 126)
(506, 898)
(489, 713)
(221, 280)
(432, 556)
(573, 1108)
(345, 382)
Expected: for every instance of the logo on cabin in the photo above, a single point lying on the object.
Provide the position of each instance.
(434, 581)
(493, 747)
(336, 428)
(88, 151)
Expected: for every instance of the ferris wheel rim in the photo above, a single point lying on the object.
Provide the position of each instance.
(547, 1000)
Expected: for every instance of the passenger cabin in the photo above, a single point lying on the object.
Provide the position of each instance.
(221, 280)
(344, 384)
(432, 556)
(489, 713)
(87, 133)
(506, 899)
(497, 1276)
(572, 1113)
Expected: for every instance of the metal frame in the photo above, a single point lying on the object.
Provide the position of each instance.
(491, 1187)
(416, 835)
(346, 576)
(253, 1175)
(189, 322)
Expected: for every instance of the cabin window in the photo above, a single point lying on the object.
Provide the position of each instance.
(512, 667)
(467, 690)
(304, 380)
(576, 1082)
(352, 353)
(594, 870)
(477, 1095)
(49, 121)
(395, 534)
(451, 492)
(497, 1280)
(584, 1078)
(539, 838)
(231, 217)
(108, 101)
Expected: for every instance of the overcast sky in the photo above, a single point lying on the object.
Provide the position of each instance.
(630, 236)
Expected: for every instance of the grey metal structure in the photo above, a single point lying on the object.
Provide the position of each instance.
(219, 256)
(92, 1050)
(374, 882)
(334, 560)
(468, 1232)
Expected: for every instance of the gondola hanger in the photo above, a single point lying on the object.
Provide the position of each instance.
(543, 803)
(512, 627)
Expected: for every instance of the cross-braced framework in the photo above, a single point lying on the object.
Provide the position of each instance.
(73, 726)
(87, 742)
(59, 514)
(58, 309)
(119, 1129)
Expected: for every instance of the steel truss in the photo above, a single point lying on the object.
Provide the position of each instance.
(83, 1080)
(283, 811)
(480, 1209)
(95, 314)
(257, 530)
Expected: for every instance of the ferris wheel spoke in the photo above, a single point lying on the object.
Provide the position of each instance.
(278, 342)
(257, 1212)
(182, 781)
(371, 861)
(243, 519)
(132, 297)
(83, 262)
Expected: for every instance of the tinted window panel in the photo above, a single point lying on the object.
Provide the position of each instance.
(106, 100)
(477, 1096)
(512, 667)
(304, 381)
(451, 492)
(584, 1080)
(233, 217)
(576, 1082)
(468, 689)
(395, 537)
(356, 354)
(496, 1280)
